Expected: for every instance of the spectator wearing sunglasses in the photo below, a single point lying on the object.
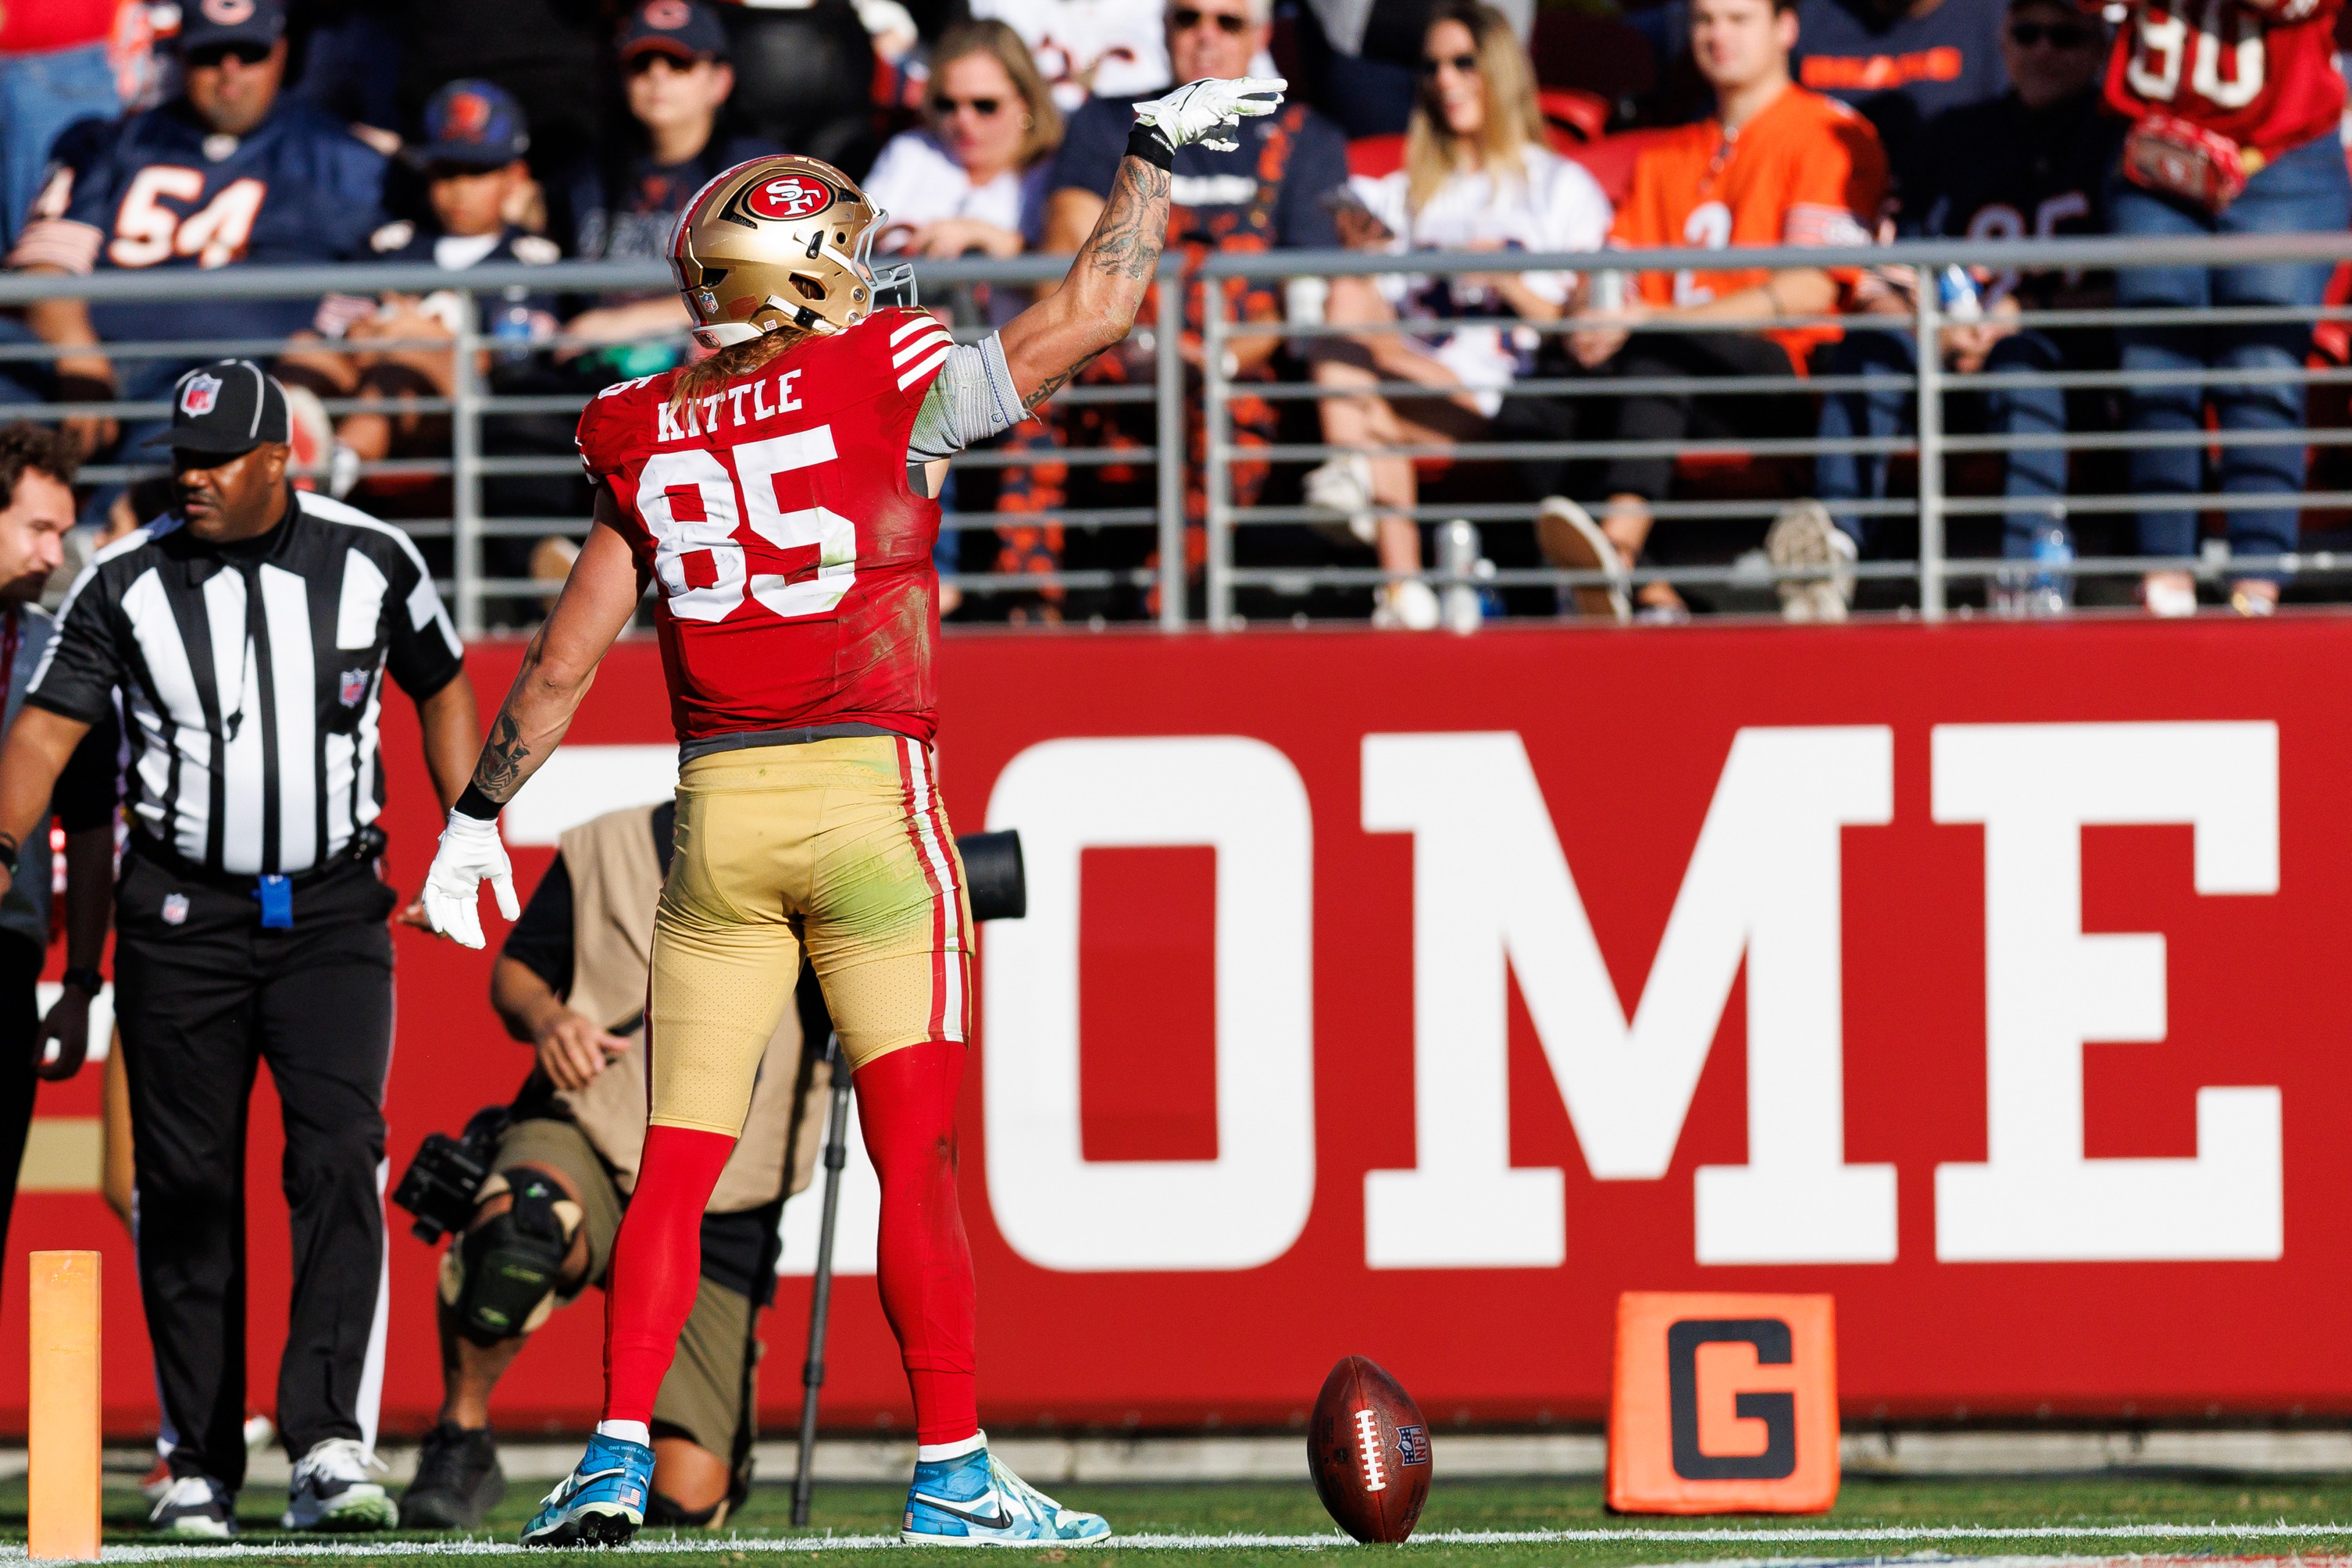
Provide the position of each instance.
(974, 179)
(230, 172)
(1267, 194)
(1477, 176)
(674, 57)
(53, 71)
(2032, 162)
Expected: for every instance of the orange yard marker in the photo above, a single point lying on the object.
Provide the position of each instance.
(64, 1410)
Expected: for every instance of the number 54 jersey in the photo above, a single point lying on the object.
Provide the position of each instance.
(792, 558)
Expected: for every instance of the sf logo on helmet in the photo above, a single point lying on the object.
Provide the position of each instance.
(788, 196)
(229, 13)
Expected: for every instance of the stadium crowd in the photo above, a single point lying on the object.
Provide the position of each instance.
(223, 134)
(234, 132)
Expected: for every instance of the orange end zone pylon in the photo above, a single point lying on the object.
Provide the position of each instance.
(63, 1411)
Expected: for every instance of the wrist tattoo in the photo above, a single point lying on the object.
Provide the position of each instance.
(499, 772)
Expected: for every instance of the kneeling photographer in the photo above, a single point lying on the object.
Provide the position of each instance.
(538, 1191)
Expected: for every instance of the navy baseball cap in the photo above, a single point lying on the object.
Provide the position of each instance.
(226, 408)
(472, 123)
(686, 28)
(210, 22)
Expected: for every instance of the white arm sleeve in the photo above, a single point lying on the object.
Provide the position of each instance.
(971, 399)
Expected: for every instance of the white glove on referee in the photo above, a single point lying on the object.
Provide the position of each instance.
(1188, 116)
(471, 852)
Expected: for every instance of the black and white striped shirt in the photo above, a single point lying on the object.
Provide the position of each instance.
(251, 676)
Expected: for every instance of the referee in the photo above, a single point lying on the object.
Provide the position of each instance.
(248, 631)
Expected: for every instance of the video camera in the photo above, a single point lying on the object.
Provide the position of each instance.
(439, 1185)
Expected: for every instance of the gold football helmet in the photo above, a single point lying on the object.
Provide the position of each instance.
(782, 241)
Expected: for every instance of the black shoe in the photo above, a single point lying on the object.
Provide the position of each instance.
(457, 1480)
(197, 1507)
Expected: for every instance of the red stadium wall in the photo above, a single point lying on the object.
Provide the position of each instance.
(1397, 897)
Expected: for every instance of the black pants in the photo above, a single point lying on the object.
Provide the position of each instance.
(1682, 417)
(20, 1022)
(205, 994)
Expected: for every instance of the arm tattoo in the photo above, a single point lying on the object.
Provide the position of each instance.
(1134, 226)
(499, 772)
(1053, 384)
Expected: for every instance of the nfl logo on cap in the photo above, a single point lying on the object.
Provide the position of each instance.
(199, 393)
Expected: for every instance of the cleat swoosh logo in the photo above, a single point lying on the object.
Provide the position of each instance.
(1000, 1519)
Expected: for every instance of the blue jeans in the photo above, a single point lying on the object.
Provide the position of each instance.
(40, 95)
(2035, 475)
(2304, 190)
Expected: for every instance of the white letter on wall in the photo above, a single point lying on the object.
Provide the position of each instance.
(1493, 895)
(2049, 988)
(1244, 1208)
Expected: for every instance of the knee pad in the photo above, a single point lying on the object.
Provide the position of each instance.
(500, 1278)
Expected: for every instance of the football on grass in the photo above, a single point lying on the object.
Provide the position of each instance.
(1368, 1449)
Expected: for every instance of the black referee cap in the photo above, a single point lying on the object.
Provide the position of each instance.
(228, 407)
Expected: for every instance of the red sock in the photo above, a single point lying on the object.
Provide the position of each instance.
(906, 1102)
(657, 1263)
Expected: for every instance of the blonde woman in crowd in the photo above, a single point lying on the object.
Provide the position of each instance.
(974, 178)
(1477, 176)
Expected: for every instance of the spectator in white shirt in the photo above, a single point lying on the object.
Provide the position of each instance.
(1476, 177)
(974, 179)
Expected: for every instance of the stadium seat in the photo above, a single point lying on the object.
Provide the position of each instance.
(1596, 55)
(1375, 157)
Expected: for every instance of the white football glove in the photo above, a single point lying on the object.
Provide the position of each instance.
(471, 852)
(1192, 114)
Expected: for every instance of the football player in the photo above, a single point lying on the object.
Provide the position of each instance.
(781, 494)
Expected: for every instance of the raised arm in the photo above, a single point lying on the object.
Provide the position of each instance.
(558, 668)
(1049, 342)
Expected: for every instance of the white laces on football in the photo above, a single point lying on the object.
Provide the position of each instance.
(1191, 114)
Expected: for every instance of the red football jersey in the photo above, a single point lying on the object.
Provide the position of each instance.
(2266, 80)
(794, 562)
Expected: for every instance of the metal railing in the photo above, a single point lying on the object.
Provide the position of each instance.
(472, 401)
(1933, 568)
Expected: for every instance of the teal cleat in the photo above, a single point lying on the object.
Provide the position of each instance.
(601, 1503)
(976, 1500)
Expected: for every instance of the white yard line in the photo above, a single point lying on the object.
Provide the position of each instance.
(1888, 1534)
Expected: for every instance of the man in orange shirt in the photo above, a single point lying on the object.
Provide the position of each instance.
(1775, 164)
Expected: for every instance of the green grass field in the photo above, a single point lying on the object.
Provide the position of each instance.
(2107, 1516)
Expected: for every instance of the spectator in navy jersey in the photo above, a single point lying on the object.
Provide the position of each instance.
(230, 172)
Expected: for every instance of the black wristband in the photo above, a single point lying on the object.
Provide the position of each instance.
(89, 981)
(8, 850)
(476, 804)
(1144, 142)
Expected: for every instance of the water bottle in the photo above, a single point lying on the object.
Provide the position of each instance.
(511, 328)
(1957, 293)
(2053, 589)
(1460, 606)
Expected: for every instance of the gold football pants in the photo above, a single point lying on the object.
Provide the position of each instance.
(837, 847)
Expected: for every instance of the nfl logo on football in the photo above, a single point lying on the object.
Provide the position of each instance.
(196, 398)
